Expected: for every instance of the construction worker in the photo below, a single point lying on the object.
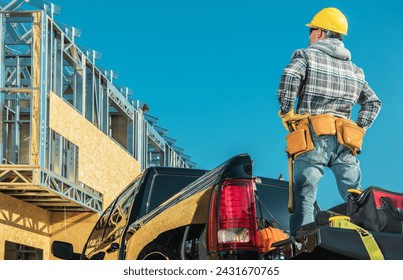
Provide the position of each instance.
(324, 84)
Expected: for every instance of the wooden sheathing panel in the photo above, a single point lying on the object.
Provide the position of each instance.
(36, 82)
(24, 223)
(72, 227)
(102, 164)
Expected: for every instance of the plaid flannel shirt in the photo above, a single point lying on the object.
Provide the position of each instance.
(326, 84)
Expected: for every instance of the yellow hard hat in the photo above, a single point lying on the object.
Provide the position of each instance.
(330, 19)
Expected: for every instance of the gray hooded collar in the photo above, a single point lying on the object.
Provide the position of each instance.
(332, 47)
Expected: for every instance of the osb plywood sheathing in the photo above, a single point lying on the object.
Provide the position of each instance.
(24, 223)
(72, 227)
(36, 83)
(102, 164)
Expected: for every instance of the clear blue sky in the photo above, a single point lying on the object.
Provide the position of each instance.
(209, 70)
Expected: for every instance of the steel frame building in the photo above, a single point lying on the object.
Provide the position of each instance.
(40, 57)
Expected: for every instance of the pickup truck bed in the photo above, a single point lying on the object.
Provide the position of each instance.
(328, 243)
(173, 213)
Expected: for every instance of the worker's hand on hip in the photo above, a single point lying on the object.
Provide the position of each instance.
(290, 119)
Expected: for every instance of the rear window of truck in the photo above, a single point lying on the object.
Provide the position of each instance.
(165, 186)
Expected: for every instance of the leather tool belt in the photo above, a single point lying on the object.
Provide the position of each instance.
(347, 131)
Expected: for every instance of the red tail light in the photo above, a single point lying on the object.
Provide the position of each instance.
(232, 220)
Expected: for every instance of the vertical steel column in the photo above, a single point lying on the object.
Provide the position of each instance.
(141, 141)
(2, 84)
(58, 65)
(44, 90)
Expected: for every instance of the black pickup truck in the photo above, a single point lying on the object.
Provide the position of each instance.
(190, 214)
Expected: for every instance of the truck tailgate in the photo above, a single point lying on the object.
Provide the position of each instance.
(337, 243)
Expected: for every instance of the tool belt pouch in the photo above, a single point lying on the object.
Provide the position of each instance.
(299, 141)
(349, 134)
(324, 124)
(377, 209)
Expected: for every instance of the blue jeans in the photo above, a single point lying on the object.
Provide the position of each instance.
(309, 169)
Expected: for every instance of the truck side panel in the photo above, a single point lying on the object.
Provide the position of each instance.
(192, 210)
(190, 206)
